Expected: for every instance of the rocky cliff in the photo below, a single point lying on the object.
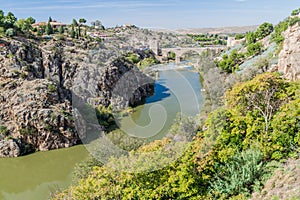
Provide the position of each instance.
(37, 79)
(289, 57)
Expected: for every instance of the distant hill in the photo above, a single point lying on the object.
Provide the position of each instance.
(218, 30)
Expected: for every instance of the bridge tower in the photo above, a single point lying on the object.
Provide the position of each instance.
(154, 46)
(177, 59)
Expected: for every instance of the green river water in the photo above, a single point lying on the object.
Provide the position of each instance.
(36, 176)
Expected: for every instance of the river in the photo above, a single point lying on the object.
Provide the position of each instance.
(35, 176)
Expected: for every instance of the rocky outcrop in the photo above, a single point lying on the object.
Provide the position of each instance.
(36, 85)
(34, 113)
(9, 148)
(289, 57)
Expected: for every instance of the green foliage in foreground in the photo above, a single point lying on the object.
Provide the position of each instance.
(229, 160)
(242, 174)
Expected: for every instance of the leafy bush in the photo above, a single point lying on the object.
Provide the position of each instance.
(10, 32)
(133, 58)
(296, 12)
(230, 63)
(254, 49)
(52, 88)
(105, 117)
(240, 36)
(242, 174)
(3, 131)
(147, 62)
(278, 30)
(286, 131)
(264, 30)
(294, 21)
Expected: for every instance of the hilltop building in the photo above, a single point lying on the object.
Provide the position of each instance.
(54, 24)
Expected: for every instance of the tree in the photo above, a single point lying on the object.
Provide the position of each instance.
(82, 21)
(49, 29)
(230, 63)
(264, 30)
(1, 17)
(254, 48)
(9, 20)
(251, 37)
(30, 20)
(50, 19)
(10, 32)
(24, 26)
(98, 23)
(296, 12)
(72, 33)
(61, 30)
(74, 22)
(78, 32)
(264, 94)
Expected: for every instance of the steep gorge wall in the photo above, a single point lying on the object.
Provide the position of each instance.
(289, 57)
(36, 93)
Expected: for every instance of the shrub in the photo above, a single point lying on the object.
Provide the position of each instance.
(242, 174)
(296, 12)
(254, 49)
(133, 58)
(294, 21)
(3, 131)
(10, 32)
(230, 63)
(52, 88)
(278, 30)
(286, 131)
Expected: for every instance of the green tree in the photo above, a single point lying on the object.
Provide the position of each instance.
(74, 23)
(9, 20)
(61, 30)
(254, 49)
(1, 18)
(251, 37)
(82, 21)
(10, 32)
(24, 26)
(264, 94)
(296, 12)
(286, 131)
(49, 29)
(264, 30)
(293, 21)
(278, 30)
(230, 63)
(30, 20)
(72, 32)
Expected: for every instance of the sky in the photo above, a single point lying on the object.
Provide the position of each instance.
(170, 14)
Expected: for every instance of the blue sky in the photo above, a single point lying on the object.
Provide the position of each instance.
(156, 13)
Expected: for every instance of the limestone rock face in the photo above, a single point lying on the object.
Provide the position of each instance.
(9, 148)
(34, 113)
(289, 57)
(37, 81)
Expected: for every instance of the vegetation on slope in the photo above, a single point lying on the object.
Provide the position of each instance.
(235, 135)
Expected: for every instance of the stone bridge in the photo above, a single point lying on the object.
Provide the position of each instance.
(180, 52)
(163, 53)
